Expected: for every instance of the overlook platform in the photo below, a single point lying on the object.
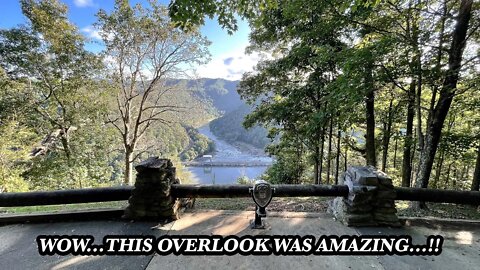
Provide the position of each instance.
(18, 249)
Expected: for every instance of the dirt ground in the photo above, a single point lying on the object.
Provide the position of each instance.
(320, 205)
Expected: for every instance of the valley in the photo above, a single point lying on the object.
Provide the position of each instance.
(228, 162)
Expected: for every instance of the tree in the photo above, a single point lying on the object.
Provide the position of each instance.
(476, 174)
(53, 60)
(447, 93)
(408, 141)
(16, 139)
(59, 87)
(144, 50)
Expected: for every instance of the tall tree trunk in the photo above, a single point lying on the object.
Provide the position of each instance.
(448, 175)
(462, 176)
(337, 166)
(318, 138)
(317, 161)
(127, 144)
(413, 174)
(417, 73)
(407, 145)
(395, 153)
(370, 116)
(387, 130)
(438, 169)
(447, 93)
(455, 177)
(467, 172)
(413, 164)
(418, 105)
(299, 161)
(345, 164)
(128, 176)
(329, 154)
(322, 143)
(438, 65)
(476, 174)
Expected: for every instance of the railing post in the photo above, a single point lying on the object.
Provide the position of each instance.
(151, 198)
(371, 199)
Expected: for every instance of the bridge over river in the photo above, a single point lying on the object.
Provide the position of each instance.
(227, 163)
(207, 163)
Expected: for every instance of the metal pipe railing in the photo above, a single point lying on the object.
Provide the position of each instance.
(230, 191)
(70, 196)
(90, 195)
(438, 195)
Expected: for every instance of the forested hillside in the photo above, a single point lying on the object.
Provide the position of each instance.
(223, 97)
(221, 93)
(230, 128)
(199, 145)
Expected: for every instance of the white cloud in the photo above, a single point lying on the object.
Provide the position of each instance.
(92, 32)
(83, 3)
(230, 66)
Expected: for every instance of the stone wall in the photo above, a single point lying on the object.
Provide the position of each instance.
(370, 201)
(151, 200)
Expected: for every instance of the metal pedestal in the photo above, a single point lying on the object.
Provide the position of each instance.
(258, 223)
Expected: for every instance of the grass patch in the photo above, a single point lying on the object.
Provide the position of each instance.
(439, 210)
(299, 204)
(224, 203)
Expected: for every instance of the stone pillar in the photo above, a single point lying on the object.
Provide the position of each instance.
(371, 200)
(151, 200)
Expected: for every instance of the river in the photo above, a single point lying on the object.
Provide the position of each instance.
(226, 154)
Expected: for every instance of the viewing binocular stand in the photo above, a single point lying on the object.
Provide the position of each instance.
(262, 193)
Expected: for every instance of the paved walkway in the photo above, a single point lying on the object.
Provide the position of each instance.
(18, 249)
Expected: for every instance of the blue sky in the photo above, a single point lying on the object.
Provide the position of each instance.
(228, 58)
